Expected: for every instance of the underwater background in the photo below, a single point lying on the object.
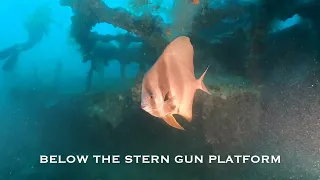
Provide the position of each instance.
(71, 75)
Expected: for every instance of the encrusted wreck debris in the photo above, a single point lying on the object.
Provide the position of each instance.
(226, 132)
(225, 123)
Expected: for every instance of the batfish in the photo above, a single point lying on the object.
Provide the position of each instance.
(169, 86)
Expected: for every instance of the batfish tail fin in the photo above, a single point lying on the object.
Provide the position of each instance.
(169, 119)
(201, 84)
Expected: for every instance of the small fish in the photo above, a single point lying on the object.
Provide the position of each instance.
(139, 3)
(155, 8)
(148, 2)
(168, 32)
(168, 88)
(196, 2)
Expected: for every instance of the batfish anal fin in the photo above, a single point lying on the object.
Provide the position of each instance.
(201, 84)
(186, 111)
(169, 119)
(185, 107)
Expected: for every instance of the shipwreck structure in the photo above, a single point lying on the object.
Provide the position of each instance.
(239, 118)
(247, 37)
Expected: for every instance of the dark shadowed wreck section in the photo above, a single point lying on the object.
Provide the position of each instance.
(235, 120)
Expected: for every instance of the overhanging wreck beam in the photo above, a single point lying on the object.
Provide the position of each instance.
(96, 11)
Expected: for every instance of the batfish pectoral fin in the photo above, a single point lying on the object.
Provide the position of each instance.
(168, 96)
(171, 100)
(168, 108)
(169, 105)
(169, 119)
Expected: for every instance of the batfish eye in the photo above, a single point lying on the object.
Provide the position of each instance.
(151, 95)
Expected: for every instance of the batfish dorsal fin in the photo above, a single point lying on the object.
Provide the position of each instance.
(169, 119)
(180, 50)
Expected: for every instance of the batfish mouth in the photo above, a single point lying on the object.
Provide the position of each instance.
(150, 109)
(145, 107)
